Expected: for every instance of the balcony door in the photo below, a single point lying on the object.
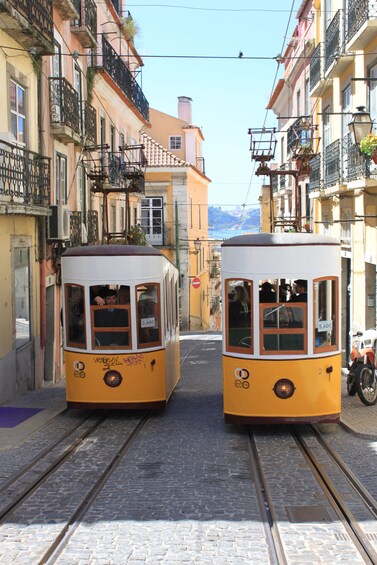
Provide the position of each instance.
(152, 220)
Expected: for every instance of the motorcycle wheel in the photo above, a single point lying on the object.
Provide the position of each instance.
(367, 386)
(351, 385)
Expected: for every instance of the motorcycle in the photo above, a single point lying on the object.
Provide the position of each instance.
(362, 374)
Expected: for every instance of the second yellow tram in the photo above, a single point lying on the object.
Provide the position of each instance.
(281, 328)
(121, 326)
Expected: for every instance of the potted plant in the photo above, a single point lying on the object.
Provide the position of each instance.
(368, 146)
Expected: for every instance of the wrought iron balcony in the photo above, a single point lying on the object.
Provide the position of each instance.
(332, 164)
(90, 123)
(65, 115)
(357, 166)
(85, 28)
(84, 228)
(362, 22)
(117, 69)
(24, 176)
(316, 68)
(315, 174)
(29, 22)
(333, 46)
(68, 9)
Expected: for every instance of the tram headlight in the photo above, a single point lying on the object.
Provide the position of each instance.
(284, 388)
(112, 378)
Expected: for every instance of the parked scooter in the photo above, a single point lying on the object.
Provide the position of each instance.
(362, 374)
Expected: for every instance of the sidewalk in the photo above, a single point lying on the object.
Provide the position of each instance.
(50, 400)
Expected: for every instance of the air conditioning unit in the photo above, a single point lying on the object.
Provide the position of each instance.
(59, 224)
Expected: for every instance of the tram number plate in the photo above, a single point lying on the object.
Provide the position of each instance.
(148, 322)
(325, 326)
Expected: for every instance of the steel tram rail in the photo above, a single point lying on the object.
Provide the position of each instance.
(355, 532)
(43, 475)
(274, 542)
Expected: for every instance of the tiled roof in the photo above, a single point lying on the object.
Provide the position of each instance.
(158, 156)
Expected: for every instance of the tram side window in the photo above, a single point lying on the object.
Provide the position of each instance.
(282, 314)
(148, 315)
(110, 316)
(239, 315)
(325, 314)
(75, 315)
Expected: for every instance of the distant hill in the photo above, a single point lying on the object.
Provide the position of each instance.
(236, 218)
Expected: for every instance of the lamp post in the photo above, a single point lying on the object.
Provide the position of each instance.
(360, 125)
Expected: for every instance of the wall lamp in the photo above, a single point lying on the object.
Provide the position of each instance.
(197, 245)
(360, 125)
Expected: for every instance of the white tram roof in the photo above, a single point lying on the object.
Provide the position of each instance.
(111, 250)
(279, 239)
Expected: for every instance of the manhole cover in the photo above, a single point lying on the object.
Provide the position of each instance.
(300, 514)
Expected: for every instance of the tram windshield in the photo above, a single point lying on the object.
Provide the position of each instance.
(110, 316)
(283, 315)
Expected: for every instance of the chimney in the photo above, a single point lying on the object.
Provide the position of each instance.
(184, 109)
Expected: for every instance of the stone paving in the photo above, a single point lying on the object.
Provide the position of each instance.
(184, 494)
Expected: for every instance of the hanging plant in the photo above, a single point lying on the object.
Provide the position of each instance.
(368, 146)
(36, 61)
(129, 28)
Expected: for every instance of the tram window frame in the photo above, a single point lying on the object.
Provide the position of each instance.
(290, 327)
(107, 329)
(334, 342)
(139, 289)
(248, 349)
(70, 342)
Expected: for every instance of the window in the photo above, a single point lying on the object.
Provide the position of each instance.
(239, 315)
(152, 219)
(283, 316)
(307, 97)
(326, 126)
(298, 102)
(325, 314)
(373, 96)
(61, 179)
(17, 111)
(75, 316)
(110, 316)
(175, 142)
(148, 315)
(22, 295)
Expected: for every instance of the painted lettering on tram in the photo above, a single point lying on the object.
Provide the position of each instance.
(136, 359)
(108, 362)
(241, 378)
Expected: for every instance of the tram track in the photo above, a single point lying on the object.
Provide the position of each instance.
(334, 494)
(58, 445)
(49, 485)
(339, 498)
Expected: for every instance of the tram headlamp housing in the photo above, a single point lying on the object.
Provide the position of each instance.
(284, 388)
(112, 378)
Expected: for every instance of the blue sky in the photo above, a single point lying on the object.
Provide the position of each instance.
(229, 94)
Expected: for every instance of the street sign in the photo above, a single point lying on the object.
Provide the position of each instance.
(195, 282)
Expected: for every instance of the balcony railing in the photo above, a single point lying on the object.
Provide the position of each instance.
(359, 12)
(315, 173)
(316, 66)
(64, 105)
(333, 41)
(357, 166)
(24, 176)
(83, 228)
(122, 76)
(332, 164)
(90, 123)
(86, 27)
(39, 29)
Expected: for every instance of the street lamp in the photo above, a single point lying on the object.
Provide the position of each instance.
(197, 245)
(360, 125)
